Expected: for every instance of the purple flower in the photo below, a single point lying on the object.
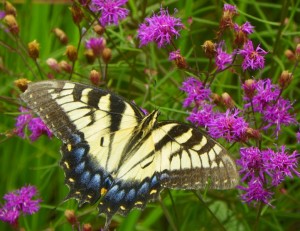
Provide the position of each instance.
(246, 28)
(96, 44)
(278, 165)
(201, 117)
(278, 114)
(256, 192)
(222, 58)
(196, 92)
(2, 14)
(253, 58)
(19, 202)
(160, 28)
(175, 55)
(266, 93)
(229, 126)
(230, 8)
(35, 125)
(251, 163)
(298, 136)
(111, 11)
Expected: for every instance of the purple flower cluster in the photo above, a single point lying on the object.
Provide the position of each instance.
(246, 28)
(160, 28)
(228, 125)
(97, 45)
(261, 169)
(111, 11)
(267, 101)
(35, 125)
(253, 58)
(222, 58)
(19, 202)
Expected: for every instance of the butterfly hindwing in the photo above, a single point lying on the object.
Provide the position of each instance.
(113, 153)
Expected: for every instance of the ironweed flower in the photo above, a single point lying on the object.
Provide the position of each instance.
(178, 58)
(19, 202)
(222, 58)
(35, 125)
(196, 92)
(111, 11)
(261, 169)
(253, 58)
(228, 125)
(160, 28)
(97, 45)
(203, 116)
(246, 28)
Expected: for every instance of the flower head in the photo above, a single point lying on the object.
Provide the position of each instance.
(253, 58)
(222, 58)
(196, 92)
(201, 117)
(229, 126)
(35, 125)
(111, 11)
(246, 28)
(178, 58)
(230, 8)
(19, 202)
(160, 28)
(97, 45)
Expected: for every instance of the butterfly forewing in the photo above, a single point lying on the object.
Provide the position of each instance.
(112, 151)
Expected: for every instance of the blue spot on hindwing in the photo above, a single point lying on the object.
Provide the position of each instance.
(130, 195)
(154, 181)
(111, 192)
(76, 138)
(144, 188)
(95, 182)
(79, 169)
(119, 196)
(79, 153)
(85, 177)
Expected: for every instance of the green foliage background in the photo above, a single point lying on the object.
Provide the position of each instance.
(22, 162)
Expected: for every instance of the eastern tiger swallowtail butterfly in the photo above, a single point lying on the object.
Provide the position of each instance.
(114, 153)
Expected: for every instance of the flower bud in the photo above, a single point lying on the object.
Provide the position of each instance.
(89, 55)
(71, 53)
(253, 133)
(33, 49)
(87, 227)
(77, 14)
(179, 59)
(11, 24)
(22, 84)
(297, 52)
(216, 98)
(71, 217)
(9, 9)
(99, 29)
(95, 77)
(65, 66)
(209, 48)
(227, 100)
(240, 38)
(249, 88)
(61, 35)
(285, 79)
(52, 63)
(290, 55)
(106, 55)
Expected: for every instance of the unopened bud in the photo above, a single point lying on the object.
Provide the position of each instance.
(11, 24)
(253, 133)
(99, 29)
(209, 48)
(71, 53)
(95, 77)
(227, 100)
(52, 63)
(240, 38)
(285, 79)
(22, 84)
(290, 55)
(106, 55)
(61, 35)
(89, 55)
(77, 14)
(64, 65)
(216, 98)
(33, 49)
(9, 8)
(249, 88)
(297, 52)
(87, 227)
(71, 217)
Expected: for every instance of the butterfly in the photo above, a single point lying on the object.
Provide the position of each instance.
(115, 154)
